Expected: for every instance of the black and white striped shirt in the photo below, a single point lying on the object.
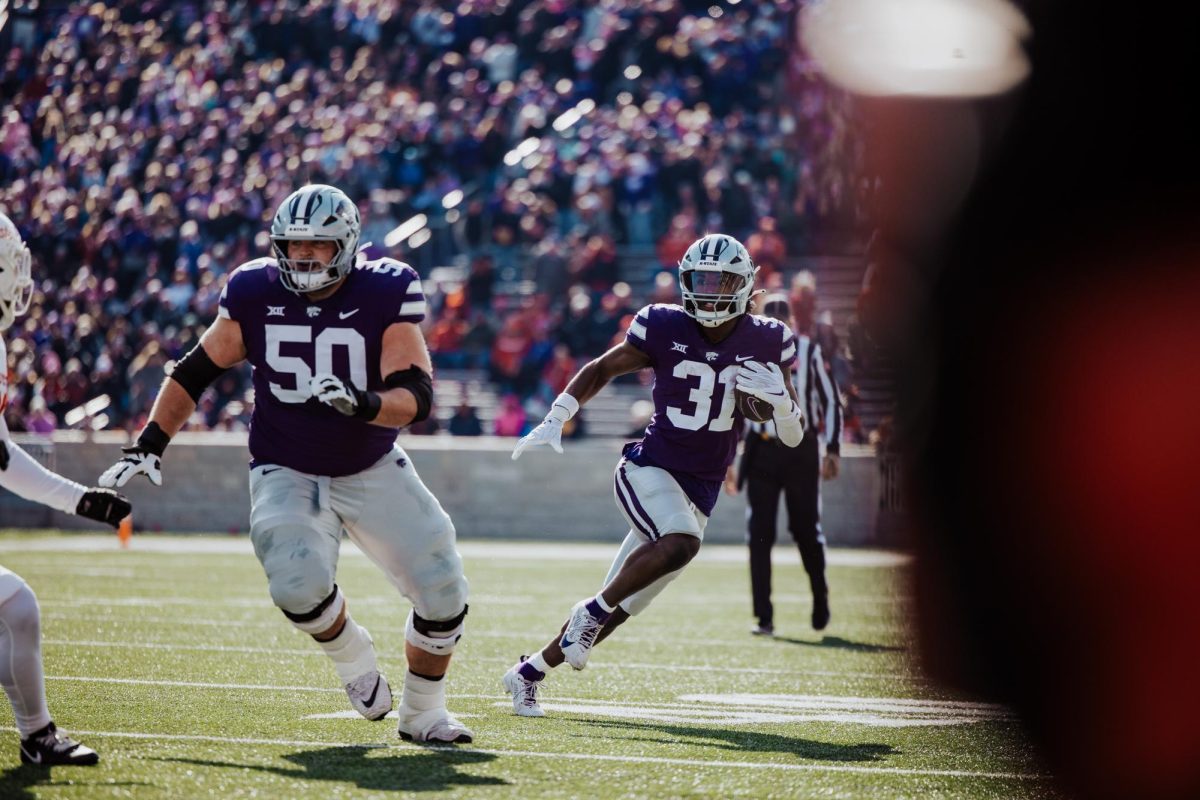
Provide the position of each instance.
(819, 394)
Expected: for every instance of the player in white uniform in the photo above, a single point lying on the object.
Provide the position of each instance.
(340, 365)
(20, 626)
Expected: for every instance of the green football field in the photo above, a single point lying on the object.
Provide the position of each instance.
(169, 659)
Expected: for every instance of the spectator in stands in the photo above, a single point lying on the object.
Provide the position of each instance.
(478, 340)
(465, 421)
(768, 249)
(513, 342)
(39, 419)
(675, 241)
(481, 282)
(510, 417)
(803, 300)
(558, 372)
(169, 157)
(445, 338)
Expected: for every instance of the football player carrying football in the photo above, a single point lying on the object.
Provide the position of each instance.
(20, 621)
(339, 367)
(667, 484)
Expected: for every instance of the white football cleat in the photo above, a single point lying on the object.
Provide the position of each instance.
(580, 635)
(370, 695)
(433, 726)
(524, 693)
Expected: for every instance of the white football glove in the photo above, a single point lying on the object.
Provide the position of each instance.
(332, 391)
(766, 382)
(137, 461)
(548, 432)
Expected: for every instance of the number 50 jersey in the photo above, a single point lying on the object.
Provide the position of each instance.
(692, 431)
(290, 338)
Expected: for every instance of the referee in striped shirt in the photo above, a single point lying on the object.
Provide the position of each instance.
(768, 468)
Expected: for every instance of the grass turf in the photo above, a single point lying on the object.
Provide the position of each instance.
(175, 666)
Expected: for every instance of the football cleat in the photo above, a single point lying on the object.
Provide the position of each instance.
(820, 612)
(50, 747)
(433, 726)
(523, 691)
(370, 695)
(763, 630)
(580, 635)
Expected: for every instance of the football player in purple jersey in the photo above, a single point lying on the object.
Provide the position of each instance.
(339, 367)
(667, 484)
(21, 672)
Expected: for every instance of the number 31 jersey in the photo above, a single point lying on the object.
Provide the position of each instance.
(692, 432)
(290, 338)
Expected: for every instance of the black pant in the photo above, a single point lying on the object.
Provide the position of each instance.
(768, 468)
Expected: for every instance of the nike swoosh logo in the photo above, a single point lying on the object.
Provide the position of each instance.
(375, 691)
(742, 358)
(564, 643)
(269, 471)
(36, 759)
(347, 314)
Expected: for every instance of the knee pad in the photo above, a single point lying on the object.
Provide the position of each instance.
(10, 584)
(19, 611)
(321, 618)
(435, 637)
(299, 578)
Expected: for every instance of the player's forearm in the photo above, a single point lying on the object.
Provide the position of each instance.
(26, 477)
(172, 407)
(397, 408)
(588, 382)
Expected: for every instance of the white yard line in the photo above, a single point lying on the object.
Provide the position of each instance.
(314, 653)
(472, 549)
(685, 762)
(256, 687)
(840, 702)
(280, 625)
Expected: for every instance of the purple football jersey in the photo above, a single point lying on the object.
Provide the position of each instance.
(289, 339)
(692, 433)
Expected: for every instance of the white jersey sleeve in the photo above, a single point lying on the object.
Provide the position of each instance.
(25, 476)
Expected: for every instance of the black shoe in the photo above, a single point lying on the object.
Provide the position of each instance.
(51, 747)
(820, 613)
(763, 629)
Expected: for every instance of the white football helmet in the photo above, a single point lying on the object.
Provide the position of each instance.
(716, 278)
(16, 278)
(315, 212)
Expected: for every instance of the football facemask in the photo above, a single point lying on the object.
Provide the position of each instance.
(315, 213)
(716, 279)
(16, 280)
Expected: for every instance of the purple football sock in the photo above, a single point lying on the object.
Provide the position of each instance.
(529, 672)
(596, 611)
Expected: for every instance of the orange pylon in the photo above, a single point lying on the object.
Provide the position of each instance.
(125, 531)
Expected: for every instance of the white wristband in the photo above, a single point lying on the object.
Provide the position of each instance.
(565, 406)
(789, 427)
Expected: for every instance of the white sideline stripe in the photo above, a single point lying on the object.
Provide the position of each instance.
(282, 626)
(685, 762)
(884, 704)
(203, 648)
(239, 686)
(956, 712)
(393, 714)
(718, 716)
(193, 684)
(484, 550)
(313, 653)
(260, 603)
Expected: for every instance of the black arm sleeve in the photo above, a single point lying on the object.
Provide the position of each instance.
(417, 381)
(195, 372)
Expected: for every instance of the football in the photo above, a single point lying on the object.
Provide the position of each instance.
(751, 407)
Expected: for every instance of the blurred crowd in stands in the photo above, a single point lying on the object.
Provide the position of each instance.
(563, 154)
